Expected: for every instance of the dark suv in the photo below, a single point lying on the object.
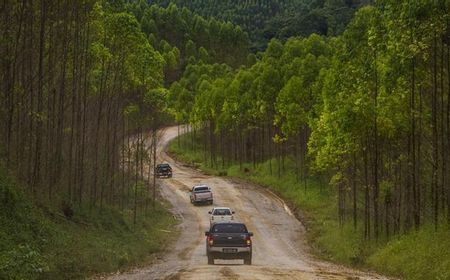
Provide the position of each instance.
(163, 170)
(229, 240)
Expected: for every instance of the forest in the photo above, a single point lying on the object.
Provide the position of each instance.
(356, 93)
(72, 88)
(267, 19)
(369, 109)
(78, 81)
(82, 93)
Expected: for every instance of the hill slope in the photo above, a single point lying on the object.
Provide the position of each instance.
(36, 242)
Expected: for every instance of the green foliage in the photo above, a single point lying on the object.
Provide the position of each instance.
(421, 254)
(267, 19)
(194, 88)
(122, 44)
(283, 86)
(194, 36)
(20, 257)
(38, 243)
(369, 108)
(22, 262)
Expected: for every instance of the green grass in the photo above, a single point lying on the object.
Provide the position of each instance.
(423, 254)
(40, 243)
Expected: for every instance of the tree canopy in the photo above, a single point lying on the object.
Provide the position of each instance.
(281, 19)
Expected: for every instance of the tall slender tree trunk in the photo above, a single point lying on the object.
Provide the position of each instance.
(413, 168)
(58, 152)
(354, 191)
(154, 166)
(366, 195)
(84, 102)
(448, 126)
(435, 151)
(29, 80)
(37, 157)
(444, 149)
(419, 159)
(375, 159)
(136, 173)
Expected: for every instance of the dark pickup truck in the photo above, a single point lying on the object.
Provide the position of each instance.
(163, 170)
(229, 240)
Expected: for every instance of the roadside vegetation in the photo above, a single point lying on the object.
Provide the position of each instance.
(421, 254)
(38, 242)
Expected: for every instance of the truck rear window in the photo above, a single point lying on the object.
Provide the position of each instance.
(201, 189)
(222, 212)
(229, 228)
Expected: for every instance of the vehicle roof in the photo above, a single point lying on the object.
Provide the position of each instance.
(198, 186)
(229, 222)
(163, 164)
(219, 207)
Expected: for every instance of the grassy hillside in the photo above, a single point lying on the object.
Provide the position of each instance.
(41, 243)
(421, 254)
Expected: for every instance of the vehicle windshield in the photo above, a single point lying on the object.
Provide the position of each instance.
(222, 212)
(229, 228)
(201, 189)
(163, 166)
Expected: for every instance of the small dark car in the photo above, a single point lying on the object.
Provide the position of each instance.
(229, 240)
(163, 170)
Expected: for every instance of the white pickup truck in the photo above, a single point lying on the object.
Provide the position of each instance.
(201, 194)
(220, 214)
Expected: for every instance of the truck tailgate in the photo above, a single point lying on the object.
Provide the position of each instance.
(229, 239)
(203, 195)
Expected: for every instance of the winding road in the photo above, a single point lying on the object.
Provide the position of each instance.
(279, 245)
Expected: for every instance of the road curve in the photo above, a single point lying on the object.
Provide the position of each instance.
(279, 248)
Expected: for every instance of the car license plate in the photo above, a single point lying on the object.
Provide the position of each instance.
(230, 250)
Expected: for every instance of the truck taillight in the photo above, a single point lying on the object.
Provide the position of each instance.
(248, 241)
(210, 240)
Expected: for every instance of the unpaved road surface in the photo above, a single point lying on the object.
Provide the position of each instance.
(279, 249)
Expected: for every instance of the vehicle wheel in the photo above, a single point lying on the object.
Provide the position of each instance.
(210, 260)
(248, 260)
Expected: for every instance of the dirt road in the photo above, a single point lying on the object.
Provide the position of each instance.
(279, 249)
